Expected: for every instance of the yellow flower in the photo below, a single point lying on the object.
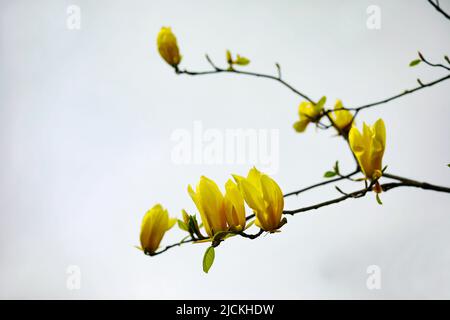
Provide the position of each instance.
(342, 118)
(210, 203)
(154, 225)
(264, 196)
(234, 207)
(309, 112)
(368, 148)
(168, 47)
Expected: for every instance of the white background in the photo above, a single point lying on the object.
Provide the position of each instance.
(85, 123)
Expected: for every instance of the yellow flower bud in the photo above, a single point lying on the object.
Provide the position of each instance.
(342, 118)
(210, 203)
(234, 207)
(264, 196)
(368, 148)
(168, 47)
(185, 217)
(154, 225)
(309, 112)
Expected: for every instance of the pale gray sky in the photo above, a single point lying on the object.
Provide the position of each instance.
(86, 118)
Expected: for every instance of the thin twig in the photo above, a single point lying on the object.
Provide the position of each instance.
(406, 92)
(360, 193)
(171, 246)
(321, 184)
(413, 183)
(254, 74)
(438, 65)
(438, 8)
(252, 236)
(303, 95)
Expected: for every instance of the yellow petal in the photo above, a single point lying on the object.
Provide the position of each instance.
(252, 196)
(234, 205)
(274, 197)
(319, 106)
(254, 177)
(300, 126)
(196, 198)
(212, 203)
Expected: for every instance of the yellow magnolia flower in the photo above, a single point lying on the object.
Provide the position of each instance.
(368, 148)
(342, 118)
(154, 225)
(168, 47)
(234, 207)
(264, 196)
(309, 112)
(210, 203)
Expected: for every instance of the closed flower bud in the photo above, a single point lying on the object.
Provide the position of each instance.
(342, 118)
(264, 196)
(168, 47)
(234, 207)
(210, 203)
(369, 147)
(309, 112)
(154, 225)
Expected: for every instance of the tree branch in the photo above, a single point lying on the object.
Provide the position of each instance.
(254, 74)
(404, 182)
(303, 95)
(406, 92)
(438, 8)
(438, 65)
(252, 236)
(170, 247)
(321, 184)
(360, 193)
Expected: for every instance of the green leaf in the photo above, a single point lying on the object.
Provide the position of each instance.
(448, 165)
(252, 222)
(182, 225)
(414, 62)
(336, 167)
(329, 174)
(378, 199)
(229, 58)
(208, 259)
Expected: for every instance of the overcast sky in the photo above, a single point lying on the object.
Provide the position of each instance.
(87, 121)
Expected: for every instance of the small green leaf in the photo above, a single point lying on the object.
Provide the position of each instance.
(208, 259)
(252, 222)
(378, 199)
(182, 225)
(336, 167)
(329, 174)
(447, 59)
(414, 62)
(448, 165)
(229, 58)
